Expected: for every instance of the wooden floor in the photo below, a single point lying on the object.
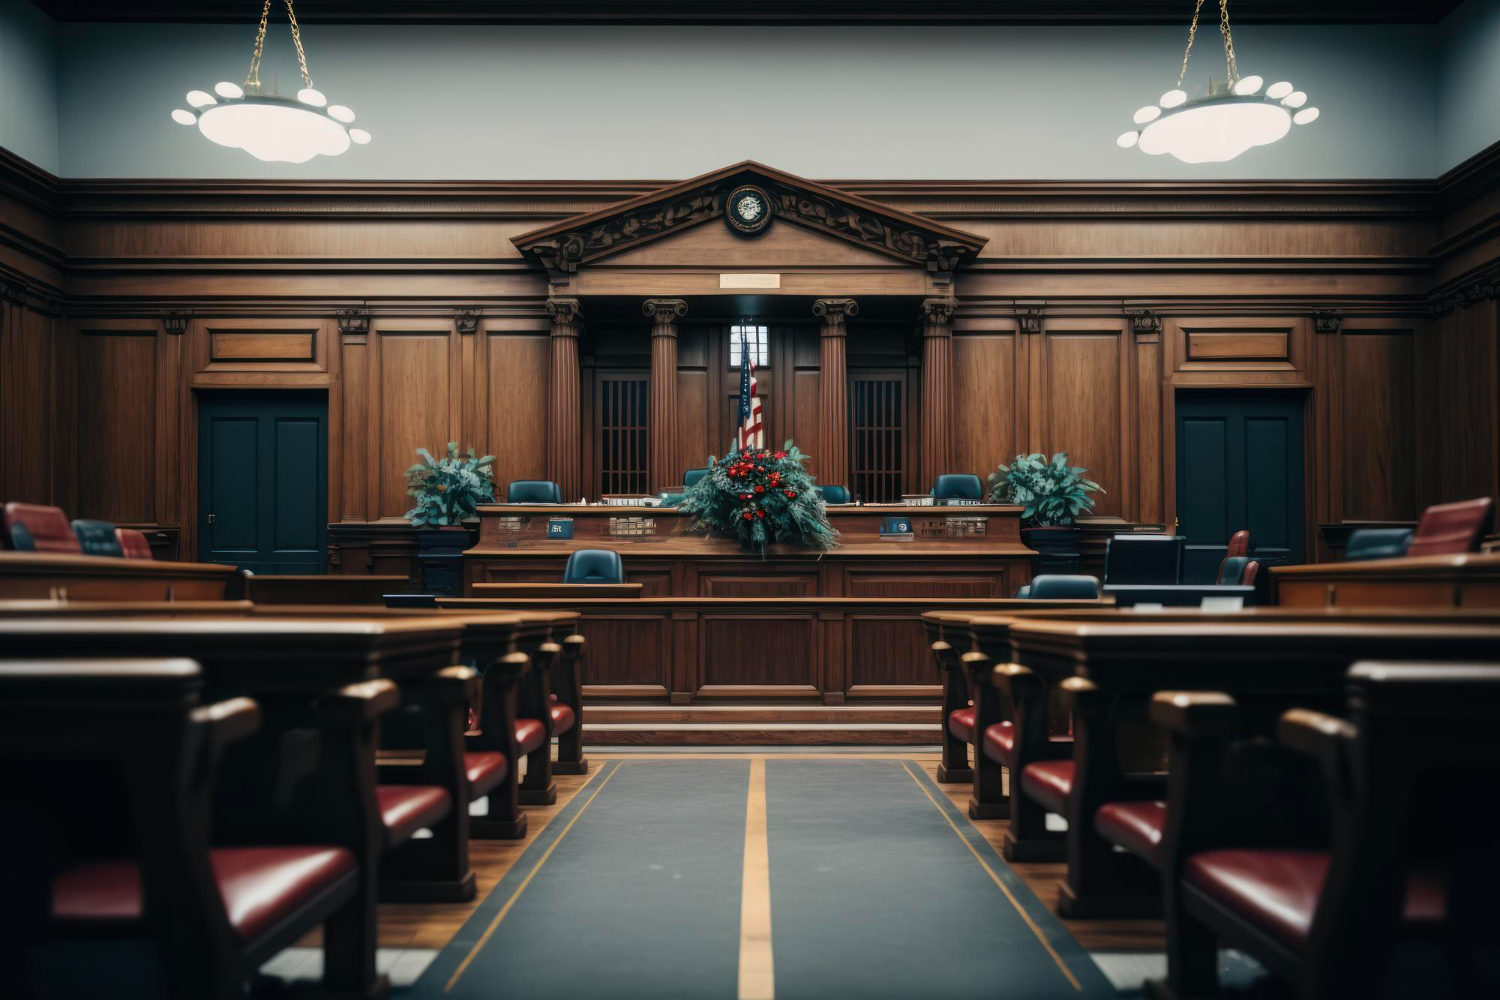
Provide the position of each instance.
(432, 925)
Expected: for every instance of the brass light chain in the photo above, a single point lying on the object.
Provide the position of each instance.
(1230, 68)
(307, 80)
(252, 78)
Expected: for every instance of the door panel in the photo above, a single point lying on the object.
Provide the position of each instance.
(263, 481)
(1239, 465)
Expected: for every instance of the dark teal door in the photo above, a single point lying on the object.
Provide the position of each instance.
(263, 480)
(1239, 465)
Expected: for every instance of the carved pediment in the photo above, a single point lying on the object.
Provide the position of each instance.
(889, 232)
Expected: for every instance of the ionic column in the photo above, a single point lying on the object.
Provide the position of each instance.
(661, 413)
(831, 448)
(563, 403)
(937, 389)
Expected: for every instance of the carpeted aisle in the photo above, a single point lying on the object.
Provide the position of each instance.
(878, 887)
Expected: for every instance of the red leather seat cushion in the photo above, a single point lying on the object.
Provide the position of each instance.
(1000, 742)
(1278, 890)
(530, 733)
(1447, 528)
(961, 723)
(1135, 826)
(405, 809)
(484, 771)
(562, 718)
(1049, 782)
(48, 526)
(133, 543)
(260, 886)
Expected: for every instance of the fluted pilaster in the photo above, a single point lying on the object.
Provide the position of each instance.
(563, 403)
(830, 450)
(663, 467)
(937, 388)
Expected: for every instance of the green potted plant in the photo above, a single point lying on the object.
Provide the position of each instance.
(447, 492)
(1053, 493)
(761, 496)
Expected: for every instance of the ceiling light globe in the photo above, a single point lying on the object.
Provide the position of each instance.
(182, 117)
(1277, 91)
(1306, 116)
(1295, 100)
(308, 95)
(230, 90)
(340, 112)
(1248, 85)
(200, 98)
(1127, 139)
(1173, 98)
(1149, 113)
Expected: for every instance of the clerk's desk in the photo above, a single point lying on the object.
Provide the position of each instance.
(952, 552)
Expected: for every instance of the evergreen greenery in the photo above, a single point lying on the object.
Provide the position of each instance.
(761, 496)
(1053, 493)
(448, 490)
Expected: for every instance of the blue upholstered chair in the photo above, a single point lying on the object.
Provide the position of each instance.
(1063, 587)
(594, 566)
(834, 494)
(1232, 570)
(1022, 593)
(691, 477)
(533, 491)
(97, 538)
(1377, 543)
(957, 486)
(1136, 559)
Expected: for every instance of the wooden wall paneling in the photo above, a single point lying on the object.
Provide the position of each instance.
(1083, 403)
(512, 425)
(778, 651)
(1468, 399)
(985, 401)
(28, 402)
(801, 382)
(356, 499)
(416, 401)
(694, 443)
(1377, 419)
(1150, 489)
(120, 402)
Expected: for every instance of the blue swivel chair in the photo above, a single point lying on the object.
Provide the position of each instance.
(533, 491)
(691, 477)
(1023, 592)
(1232, 570)
(594, 566)
(957, 486)
(1377, 543)
(98, 538)
(1063, 587)
(834, 494)
(1136, 559)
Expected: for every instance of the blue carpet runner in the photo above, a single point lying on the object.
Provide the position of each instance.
(880, 888)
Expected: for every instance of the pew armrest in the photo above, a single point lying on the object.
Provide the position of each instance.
(568, 684)
(227, 721)
(1194, 713)
(453, 687)
(1079, 693)
(1323, 737)
(1016, 682)
(357, 704)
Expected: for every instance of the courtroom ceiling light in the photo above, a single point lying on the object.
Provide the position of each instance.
(1234, 115)
(269, 126)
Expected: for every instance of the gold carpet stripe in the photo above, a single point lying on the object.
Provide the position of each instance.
(757, 973)
(997, 880)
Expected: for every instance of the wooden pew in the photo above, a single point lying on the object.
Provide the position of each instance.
(290, 666)
(1107, 673)
(323, 589)
(1383, 833)
(555, 591)
(43, 575)
(216, 913)
(1453, 581)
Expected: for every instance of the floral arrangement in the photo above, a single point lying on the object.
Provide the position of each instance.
(448, 490)
(1053, 492)
(762, 496)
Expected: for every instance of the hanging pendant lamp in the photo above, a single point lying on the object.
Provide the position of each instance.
(270, 126)
(1232, 117)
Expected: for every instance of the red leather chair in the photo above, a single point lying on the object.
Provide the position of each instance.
(47, 528)
(1239, 544)
(1451, 528)
(134, 544)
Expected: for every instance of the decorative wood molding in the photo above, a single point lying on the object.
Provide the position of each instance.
(563, 247)
(467, 320)
(936, 315)
(1144, 321)
(176, 323)
(353, 321)
(13, 291)
(567, 316)
(1480, 285)
(1327, 321)
(1030, 318)
(833, 313)
(664, 314)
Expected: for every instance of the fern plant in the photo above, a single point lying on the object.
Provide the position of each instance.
(1052, 492)
(448, 489)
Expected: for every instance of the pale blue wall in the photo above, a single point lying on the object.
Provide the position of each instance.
(1469, 82)
(28, 83)
(619, 102)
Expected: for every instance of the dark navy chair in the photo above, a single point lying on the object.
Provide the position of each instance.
(1377, 543)
(1063, 587)
(533, 491)
(1234, 570)
(98, 538)
(1136, 559)
(691, 477)
(834, 494)
(1023, 592)
(594, 566)
(957, 486)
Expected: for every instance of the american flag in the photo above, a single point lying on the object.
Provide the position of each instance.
(752, 428)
